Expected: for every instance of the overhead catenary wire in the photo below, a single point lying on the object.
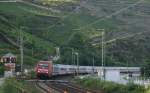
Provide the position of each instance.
(107, 17)
(120, 38)
(113, 14)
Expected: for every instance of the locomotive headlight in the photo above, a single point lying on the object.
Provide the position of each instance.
(46, 71)
(39, 71)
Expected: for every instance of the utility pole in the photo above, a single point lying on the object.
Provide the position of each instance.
(21, 50)
(32, 54)
(101, 44)
(77, 56)
(93, 64)
(103, 48)
(72, 55)
(78, 63)
(73, 60)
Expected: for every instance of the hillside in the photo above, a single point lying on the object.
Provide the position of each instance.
(75, 23)
(42, 29)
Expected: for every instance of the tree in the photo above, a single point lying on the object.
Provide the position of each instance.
(145, 70)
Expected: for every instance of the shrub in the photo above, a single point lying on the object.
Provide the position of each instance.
(110, 87)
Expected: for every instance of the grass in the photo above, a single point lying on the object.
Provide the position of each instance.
(57, 2)
(11, 85)
(110, 87)
(23, 9)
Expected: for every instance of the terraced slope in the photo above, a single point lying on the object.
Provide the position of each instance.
(126, 24)
(14, 18)
(76, 24)
(42, 29)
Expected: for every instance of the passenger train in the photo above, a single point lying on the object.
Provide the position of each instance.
(48, 69)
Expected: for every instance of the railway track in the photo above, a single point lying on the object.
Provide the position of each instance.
(61, 86)
(68, 87)
(42, 87)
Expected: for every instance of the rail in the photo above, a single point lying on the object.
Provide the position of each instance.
(61, 86)
(42, 88)
(68, 87)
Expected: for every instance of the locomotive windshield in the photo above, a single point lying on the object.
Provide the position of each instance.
(43, 65)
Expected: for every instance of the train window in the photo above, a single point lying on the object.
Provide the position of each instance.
(71, 68)
(55, 68)
(62, 68)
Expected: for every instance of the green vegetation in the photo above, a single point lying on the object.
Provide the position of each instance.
(13, 86)
(110, 87)
(75, 26)
(1, 69)
(56, 2)
(148, 90)
(42, 31)
(11, 22)
(145, 70)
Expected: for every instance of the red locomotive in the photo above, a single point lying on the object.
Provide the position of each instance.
(44, 69)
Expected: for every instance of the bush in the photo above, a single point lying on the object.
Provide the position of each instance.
(11, 85)
(1, 69)
(110, 87)
(32, 74)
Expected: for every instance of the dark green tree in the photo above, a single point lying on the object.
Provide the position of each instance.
(145, 70)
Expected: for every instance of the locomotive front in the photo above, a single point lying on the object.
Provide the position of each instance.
(44, 69)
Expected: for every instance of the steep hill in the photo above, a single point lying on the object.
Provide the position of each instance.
(76, 24)
(42, 28)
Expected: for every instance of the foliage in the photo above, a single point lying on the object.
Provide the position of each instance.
(1, 69)
(45, 29)
(110, 87)
(56, 2)
(12, 21)
(32, 75)
(148, 90)
(48, 32)
(145, 70)
(11, 85)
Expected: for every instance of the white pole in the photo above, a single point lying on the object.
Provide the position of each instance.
(102, 55)
(101, 71)
(21, 50)
(77, 64)
(93, 64)
(77, 58)
(73, 60)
